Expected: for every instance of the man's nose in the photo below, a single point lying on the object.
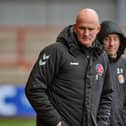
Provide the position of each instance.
(86, 32)
(112, 42)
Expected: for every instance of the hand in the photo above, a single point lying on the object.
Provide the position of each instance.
(59, 124)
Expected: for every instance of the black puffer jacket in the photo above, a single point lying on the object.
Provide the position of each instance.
(118, 72)
(70, 83)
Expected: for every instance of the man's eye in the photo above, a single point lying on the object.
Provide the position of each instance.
(106, 39)
(90, 29)
(116, 39)
(81, 28)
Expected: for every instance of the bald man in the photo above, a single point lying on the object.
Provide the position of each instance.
(87, 26)
(69, 84)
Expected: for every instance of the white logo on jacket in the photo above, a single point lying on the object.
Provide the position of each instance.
(74, 63)
(44, 59)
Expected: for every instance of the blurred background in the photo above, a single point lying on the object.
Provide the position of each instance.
(26, 27)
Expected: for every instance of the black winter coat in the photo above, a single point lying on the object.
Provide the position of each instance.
(70, 83)
(118, 72)
(118, 117)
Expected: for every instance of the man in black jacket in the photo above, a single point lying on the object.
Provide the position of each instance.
(69, 84)
(114, 42)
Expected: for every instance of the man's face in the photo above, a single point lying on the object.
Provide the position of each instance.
(111, 44)
(86, 32)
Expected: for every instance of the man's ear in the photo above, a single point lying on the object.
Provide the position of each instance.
(98, 29)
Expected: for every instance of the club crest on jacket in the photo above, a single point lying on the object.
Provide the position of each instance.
(99, 69)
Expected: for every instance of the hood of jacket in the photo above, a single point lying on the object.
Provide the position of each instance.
(68, 37)
(109, 27)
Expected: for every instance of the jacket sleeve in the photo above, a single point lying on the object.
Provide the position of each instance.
(104, 111)
(124, 115)
(124, 106)
(36, 89)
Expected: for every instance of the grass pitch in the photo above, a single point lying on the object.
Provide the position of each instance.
(17, 122)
